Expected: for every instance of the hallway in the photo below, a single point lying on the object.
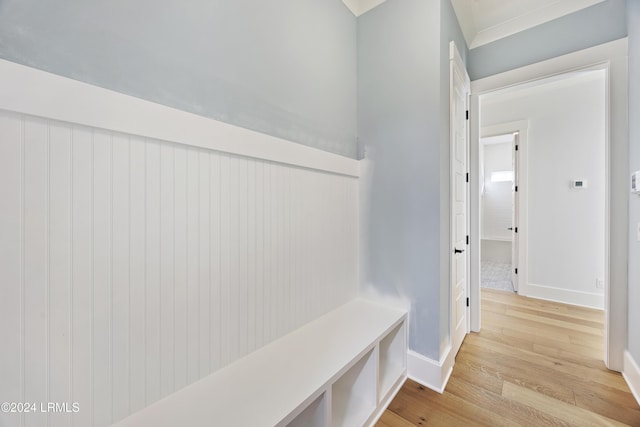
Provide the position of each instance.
(535, 363)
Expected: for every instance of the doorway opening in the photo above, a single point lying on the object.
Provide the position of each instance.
(559, 179)
(612, 59)
(498, 211)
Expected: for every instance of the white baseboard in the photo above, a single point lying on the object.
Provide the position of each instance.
(584, 299)
(428, 372)
(631, 373)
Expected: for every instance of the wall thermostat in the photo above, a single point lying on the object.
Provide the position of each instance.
(635, 182)
(578, 183)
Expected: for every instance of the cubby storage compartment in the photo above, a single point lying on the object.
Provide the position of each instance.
(314, 415)
(354, 394)
(392, 358)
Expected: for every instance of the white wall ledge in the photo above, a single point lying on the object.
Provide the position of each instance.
(30, 91)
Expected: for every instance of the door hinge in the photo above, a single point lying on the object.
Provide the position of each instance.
(516, 148)
(467, 114)
(516, 271)
(516, 229)
(467, 301)
(467, 176)
(467, 240)
(516, 188)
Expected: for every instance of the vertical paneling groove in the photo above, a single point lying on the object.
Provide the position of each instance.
(22, 266)
(152, 298)
(241, 229)
(141, 266)
(111, 255)
(259, 185)
(251, 247)
(137, 269)
(70, 331)
(58, 268)
(92, 275)
(214, 262)
(173, 281)
(193, 261)
(128, 268)
(36, 268)
(180, 260)
(47, 307)
(204, 289)
(225, 264)
(232, 324)
(167, 269)
(120, 288)
(11, 220)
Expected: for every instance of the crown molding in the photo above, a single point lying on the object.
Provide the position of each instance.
(530, 20)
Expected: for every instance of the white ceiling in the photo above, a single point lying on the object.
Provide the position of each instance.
(485, 21)
(358, 7)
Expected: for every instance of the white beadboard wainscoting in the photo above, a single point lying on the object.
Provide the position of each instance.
(131, 266)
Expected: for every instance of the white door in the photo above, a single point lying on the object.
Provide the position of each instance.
(459, 95)
(515, 241)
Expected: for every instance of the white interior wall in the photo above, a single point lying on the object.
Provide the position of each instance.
(497, 198)
(566, 141)
(496, 251)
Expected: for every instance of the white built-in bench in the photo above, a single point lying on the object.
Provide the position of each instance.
(342, 369)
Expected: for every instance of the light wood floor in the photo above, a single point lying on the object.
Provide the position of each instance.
(535, 363)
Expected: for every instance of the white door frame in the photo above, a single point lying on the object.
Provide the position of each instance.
(611, 57)
(521, 127)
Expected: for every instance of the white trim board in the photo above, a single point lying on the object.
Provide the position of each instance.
(428, 372)
(566, 296)
(631, 374)
(30, 91)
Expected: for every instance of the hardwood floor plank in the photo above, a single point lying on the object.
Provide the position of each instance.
(613, 404)
(514, 410)
(542, 305)
(570, 347)
(562, 370)
(577, 358)
(554, 320)
(556, 408)
(391, 419)
(424, 412)
(510, 368)
(451, 407)
(535, 363)
(598, 324)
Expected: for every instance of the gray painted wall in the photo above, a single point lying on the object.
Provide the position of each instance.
(601, 23)
(398, 122)
(403, 123)
(634, 165)
(283, 67)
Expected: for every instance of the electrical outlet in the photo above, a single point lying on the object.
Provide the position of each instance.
(599, 284)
